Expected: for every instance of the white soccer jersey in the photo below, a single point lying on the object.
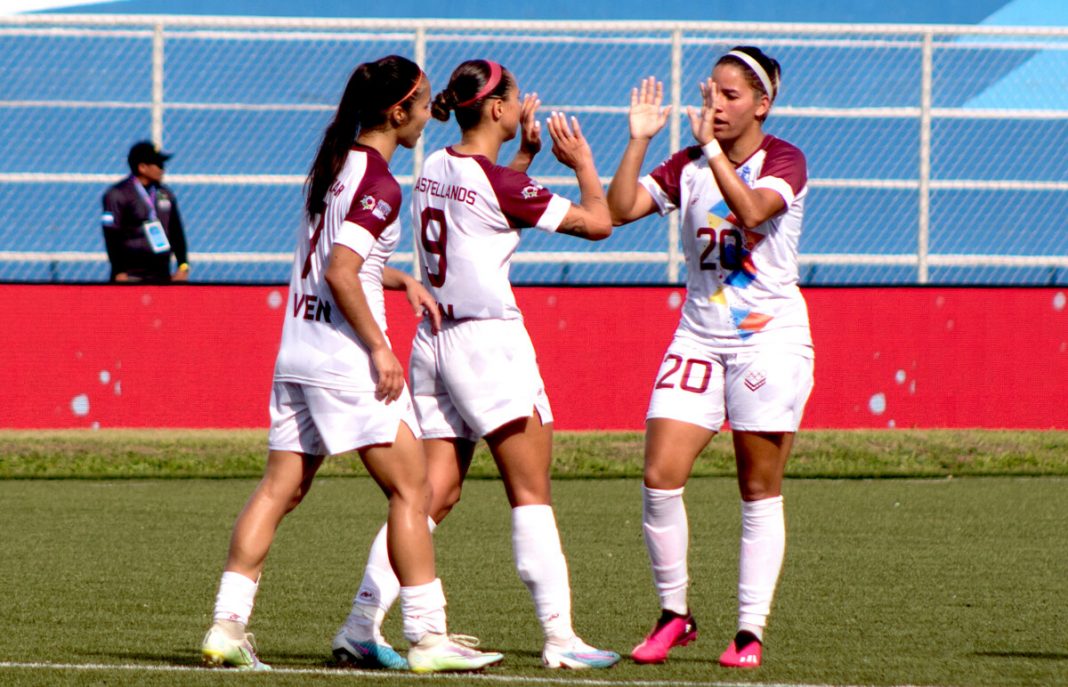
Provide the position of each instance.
(319, 347)
(741, 285)
(468, 213)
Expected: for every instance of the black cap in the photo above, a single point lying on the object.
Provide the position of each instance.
(146, 152)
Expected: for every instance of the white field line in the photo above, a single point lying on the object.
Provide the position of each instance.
(400, 676)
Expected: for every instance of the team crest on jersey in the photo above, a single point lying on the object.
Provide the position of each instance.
(381, 210)
(368, 203)
(532, 191)
(745, 174)
(755, 379)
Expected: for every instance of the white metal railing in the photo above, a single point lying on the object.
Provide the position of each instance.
(926, 40)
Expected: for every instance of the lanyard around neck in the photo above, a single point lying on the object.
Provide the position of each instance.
(149, 199)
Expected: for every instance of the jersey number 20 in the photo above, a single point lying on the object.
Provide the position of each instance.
(434, 245)
(730, 245)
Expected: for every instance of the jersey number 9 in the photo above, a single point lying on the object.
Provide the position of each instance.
(435, 245)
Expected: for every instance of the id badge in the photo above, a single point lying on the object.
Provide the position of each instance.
(157, 238)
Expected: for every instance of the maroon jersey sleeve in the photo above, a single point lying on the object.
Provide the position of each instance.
(785, 161)
(522, 200)
(377, 199)
(668, 176)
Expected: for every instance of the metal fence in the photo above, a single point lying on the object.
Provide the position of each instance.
(937, 154)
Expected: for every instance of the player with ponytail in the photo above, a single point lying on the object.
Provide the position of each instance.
(478, 377)
(337, 385)
(742, 348)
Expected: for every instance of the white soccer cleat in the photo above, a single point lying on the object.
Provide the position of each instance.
(576, 654)
(368, 655)
(437, 653)
(220, 650)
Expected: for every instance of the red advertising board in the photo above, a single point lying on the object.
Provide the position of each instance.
(202, 356)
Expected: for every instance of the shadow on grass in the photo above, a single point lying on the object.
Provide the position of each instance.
(190, 658)
(1041, 655)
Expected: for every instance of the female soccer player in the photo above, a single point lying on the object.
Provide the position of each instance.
(337, 384)
(478, 377)
(742, 348)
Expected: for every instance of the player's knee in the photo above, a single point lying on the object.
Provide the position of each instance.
(443, 501)
(755, 489)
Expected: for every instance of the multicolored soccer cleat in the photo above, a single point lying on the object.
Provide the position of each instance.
(671, 630)
(577, 655)
(366, 655)
(220, 650)
(744, 651)
(440, 653)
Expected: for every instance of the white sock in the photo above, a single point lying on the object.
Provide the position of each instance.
(667, 538)
(378, 591)
(543, 568)
(423, 608)
(763, 548)
(235, 598)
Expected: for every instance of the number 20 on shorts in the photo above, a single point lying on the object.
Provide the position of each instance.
(683, 373)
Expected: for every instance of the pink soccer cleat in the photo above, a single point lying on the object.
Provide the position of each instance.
(744, 652)
(670, 631)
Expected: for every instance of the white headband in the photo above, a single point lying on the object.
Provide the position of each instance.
(757, 69)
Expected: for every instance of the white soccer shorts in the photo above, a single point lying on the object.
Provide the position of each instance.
(473, 377)
(321, 421)
(761, 390)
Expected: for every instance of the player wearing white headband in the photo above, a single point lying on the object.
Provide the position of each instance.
(478, 377)
(742, 348)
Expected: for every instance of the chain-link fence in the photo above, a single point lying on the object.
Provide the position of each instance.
(936, 153)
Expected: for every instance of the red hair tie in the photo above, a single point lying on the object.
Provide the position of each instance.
(407, 95)
(494, 79)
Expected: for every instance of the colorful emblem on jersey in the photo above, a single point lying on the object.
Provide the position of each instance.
(108, 218)
(532, 191)
(381, 210)
(368, 203)
(747, 322)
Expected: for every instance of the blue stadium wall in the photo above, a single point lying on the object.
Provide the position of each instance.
(197, 143)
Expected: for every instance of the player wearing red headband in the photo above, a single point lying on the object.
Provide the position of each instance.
(337, 385)
(478, 377)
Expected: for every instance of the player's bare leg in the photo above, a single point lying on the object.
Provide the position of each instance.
(359, 641)
(671, 448)
(522, 450)
(761, 459)
(284, 485)
(448, 461)
(400, 470)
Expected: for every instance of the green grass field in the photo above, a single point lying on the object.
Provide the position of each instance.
(953, 579)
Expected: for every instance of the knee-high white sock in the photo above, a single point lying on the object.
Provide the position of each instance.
(762, 552)
(667, 538)
(378, 591)
(543, 568)
(423, 608)
(236, 595)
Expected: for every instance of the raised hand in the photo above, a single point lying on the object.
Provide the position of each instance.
(569, 145)
(647, 118)
(530, 143)
(702, 123)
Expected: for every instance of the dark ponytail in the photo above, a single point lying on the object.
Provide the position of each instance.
(462, 95)
(373, 89)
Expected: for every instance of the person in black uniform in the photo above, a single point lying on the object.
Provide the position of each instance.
(142, 227)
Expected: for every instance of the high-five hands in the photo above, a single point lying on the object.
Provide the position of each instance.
(569, 145)
(646, 116)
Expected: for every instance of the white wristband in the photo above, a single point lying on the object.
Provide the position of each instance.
(711, 149)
